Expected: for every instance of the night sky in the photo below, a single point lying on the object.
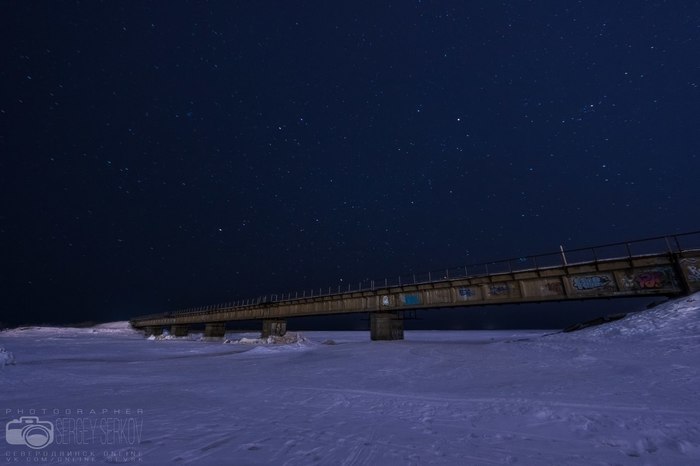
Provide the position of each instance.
(159, 155)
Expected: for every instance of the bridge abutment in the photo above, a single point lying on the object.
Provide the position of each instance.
(386, 326)
(179, 330)
(276, 327)
(215, 330)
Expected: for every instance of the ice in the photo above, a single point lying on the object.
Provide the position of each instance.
(6, 358)
(291, 338)
(625, 393)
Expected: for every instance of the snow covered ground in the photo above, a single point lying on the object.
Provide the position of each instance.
(626, 393)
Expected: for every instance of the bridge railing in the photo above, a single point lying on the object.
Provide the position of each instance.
(564, 257)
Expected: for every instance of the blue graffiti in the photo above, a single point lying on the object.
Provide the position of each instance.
(411, 299)
(592, 282)
(466, 292)
(496, 290)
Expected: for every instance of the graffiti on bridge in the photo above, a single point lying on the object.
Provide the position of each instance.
(467, 293)
(692, 269)
(410, 299)
(499, 289)
(552, 289)
(651, 279)
(593, 283)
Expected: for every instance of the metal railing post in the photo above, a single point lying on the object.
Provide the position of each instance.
(668, 245)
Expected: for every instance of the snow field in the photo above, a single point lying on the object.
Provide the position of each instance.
(621, 394)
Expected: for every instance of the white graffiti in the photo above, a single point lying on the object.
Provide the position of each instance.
(693, 273)
(692, 270)
(628, 281)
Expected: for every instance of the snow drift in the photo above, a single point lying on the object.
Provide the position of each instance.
(676, 319)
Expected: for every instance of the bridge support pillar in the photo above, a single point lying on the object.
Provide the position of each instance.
(155, 330)
(215, 330)
(386, 326)
(179, 330)
(275, 327)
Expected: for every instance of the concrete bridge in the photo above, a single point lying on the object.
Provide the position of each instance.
(667, 265)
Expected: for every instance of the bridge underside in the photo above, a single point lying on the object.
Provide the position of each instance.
(648, 275)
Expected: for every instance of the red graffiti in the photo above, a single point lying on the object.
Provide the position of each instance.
(555, 288)
(650, 280)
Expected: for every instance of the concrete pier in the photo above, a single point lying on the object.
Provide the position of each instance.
(386, 326)
(277, 327)
(215, 330)
(153, 330)
(179, 330)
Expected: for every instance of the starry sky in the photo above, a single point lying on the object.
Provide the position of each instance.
(159, 155)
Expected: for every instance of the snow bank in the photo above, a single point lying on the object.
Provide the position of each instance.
(6, 358)
(122, 328)
(166, 336)
(679, 318)
(287, 339)
(114, 326)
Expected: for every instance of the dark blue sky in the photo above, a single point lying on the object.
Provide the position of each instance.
(157, 155)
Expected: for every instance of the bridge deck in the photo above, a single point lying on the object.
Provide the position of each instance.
(667, 273)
